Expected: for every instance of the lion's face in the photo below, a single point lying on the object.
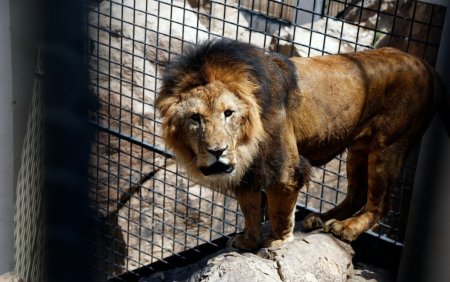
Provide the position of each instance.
(214, 132)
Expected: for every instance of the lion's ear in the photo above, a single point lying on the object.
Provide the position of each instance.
(166, 104)
(253, 128)
(167, 107)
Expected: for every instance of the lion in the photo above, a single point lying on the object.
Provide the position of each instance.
(243, 120)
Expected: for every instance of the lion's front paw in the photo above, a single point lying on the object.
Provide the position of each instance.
(275, 243)
(312, 221)
(342, 229)
(241, 242)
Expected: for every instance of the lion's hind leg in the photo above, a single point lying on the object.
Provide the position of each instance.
(357, 162)
(384, 167)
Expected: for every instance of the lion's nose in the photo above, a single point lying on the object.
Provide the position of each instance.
(217, 152)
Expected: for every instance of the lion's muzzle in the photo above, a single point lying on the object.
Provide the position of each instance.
(217, 168)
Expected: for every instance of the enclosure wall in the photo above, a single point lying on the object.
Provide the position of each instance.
(6, 143)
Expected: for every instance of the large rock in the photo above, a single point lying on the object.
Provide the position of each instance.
(310, 257)
(11, 277)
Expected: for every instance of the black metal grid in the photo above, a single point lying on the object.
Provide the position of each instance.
(148, 214)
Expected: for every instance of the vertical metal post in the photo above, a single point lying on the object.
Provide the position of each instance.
(66, 143)
(6, 144)
(426, 256)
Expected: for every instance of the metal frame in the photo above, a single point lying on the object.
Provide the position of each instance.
(130, 170)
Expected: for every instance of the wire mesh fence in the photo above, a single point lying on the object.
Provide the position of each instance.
(147, 210)
(29, 217)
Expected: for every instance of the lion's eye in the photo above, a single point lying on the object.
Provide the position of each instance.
(228, 113)
(195, 117)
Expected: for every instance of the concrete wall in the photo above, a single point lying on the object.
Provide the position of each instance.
(304, 17)
(18, 49)
(6, 143)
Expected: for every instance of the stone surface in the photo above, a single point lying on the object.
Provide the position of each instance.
(310, 257)
(11, 277)
(367, 273)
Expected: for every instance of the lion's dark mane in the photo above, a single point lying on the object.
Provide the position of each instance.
(274, 73)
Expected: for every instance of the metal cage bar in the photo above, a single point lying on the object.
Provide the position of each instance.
(149, 215)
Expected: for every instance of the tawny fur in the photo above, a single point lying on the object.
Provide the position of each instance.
(273, 115)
